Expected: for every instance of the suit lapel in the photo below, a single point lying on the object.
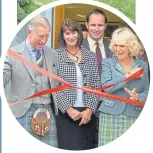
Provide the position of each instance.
(25, 55)
(84, 62)
(107, 50)
(119, 68)
(86, 44)
(116, 64)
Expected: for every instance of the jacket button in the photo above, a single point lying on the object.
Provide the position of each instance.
(33, 85)
(84, 75)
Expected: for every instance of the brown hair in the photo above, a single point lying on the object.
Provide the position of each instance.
(96, 11)
(72, 25)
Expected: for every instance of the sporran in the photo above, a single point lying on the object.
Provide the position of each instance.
(41, 122)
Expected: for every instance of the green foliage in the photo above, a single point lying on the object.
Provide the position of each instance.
(30, 7)
(24, 2)
(24, 7)
(20, 13)
(47, 1)
(127, 7)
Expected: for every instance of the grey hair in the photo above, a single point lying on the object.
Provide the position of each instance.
(38, 20)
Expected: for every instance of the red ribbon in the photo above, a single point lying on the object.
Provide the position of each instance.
(131, 77)
(68, 85)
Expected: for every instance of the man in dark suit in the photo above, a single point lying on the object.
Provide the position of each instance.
(96, 24)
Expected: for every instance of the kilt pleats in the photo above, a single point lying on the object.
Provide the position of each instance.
(111, 127)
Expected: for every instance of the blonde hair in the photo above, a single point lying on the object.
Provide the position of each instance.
(125, 36)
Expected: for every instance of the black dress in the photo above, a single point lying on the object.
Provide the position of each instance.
(71, 136)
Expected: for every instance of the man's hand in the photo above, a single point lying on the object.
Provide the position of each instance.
(86, 116)
(73, 113)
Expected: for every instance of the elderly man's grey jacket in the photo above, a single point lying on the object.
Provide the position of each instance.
(22, 80)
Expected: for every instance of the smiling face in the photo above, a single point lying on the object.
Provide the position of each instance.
(70, 37)
(96, 26)
(38, 37)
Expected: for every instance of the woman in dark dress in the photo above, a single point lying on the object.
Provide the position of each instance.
(76, 122)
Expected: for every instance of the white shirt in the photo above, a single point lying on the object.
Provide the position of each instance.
(79, 101)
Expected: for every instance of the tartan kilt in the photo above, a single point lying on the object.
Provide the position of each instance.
(111, 127)
(25, 121)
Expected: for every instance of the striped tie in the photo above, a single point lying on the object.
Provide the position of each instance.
(39, 59)
(99, 58)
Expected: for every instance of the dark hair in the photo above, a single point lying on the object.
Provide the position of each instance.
(72, 25)
(96, 11)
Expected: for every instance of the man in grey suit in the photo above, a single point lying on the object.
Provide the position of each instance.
(24, 82)
(96, 24)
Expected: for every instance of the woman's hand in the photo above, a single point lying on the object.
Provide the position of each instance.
(132, 93)
(73, 113)
(86, 116)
